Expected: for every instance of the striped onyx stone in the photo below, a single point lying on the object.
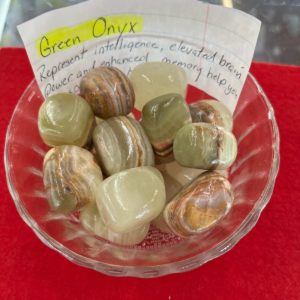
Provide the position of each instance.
(200, 205)
(71, 175)
(108, 91)
(204, 146)
(211, 111)
(121, 143)
(162, 117)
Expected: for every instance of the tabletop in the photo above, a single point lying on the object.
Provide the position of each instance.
(263, 265)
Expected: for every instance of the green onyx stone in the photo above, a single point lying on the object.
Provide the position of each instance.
(204, 146)
(91, 220)
(65, 119)
(131, 198)
(200, 205)
(154, 79)
(162, 117)
(211, 111)
(120, 144)
(70, 176)
(108, 91)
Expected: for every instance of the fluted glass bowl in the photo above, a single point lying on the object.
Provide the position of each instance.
(252, 175)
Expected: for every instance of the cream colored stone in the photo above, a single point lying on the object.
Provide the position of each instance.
(91, 220)
(131, 198)
(154, 79)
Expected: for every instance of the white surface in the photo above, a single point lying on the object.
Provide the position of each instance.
(220, 32)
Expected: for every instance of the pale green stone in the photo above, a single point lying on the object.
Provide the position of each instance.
(91, 220)
(151, 80)
(131, 198)
(162, 117)
(65, 119)
(204, 146)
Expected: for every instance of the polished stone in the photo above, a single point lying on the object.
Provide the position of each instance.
(120, 144)
(200, 205)
(91, 220)
(71, 176)
(213, 112)
(108, 91)
(154, 79)
(65, 119)
(162, 117)
(131, 198)
(204, 146)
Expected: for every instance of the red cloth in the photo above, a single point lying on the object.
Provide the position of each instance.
(264, 265)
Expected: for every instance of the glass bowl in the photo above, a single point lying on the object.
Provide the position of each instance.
(252, 175)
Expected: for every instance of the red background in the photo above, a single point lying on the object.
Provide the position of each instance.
(264, 265)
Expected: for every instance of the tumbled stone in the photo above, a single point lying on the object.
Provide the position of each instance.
(108, 91)
(65, 119)
(120, 144)
(131, 198)
(204, 146)
(162, 117)
(154, 79)
(71, 176)
(91, 220)
(200, 205)
(211, 111)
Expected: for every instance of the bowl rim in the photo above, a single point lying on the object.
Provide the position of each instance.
(162, 269)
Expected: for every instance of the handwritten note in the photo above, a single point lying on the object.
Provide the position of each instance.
(67, 37)
(214, 45)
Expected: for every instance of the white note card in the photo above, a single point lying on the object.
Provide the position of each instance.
(213, 44)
